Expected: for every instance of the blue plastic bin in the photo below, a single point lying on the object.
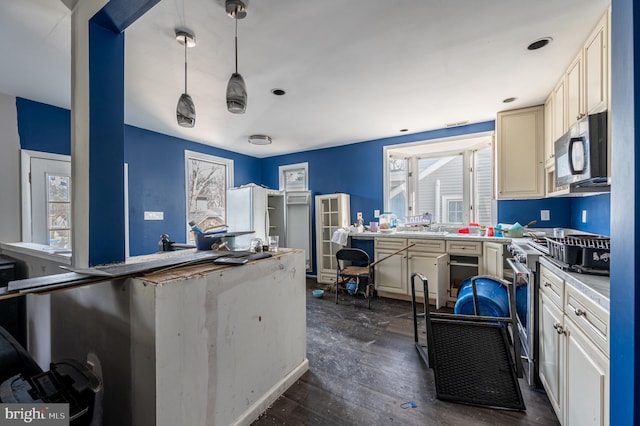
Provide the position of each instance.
(493, 299)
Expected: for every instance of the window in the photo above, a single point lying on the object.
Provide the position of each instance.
(207, 181)
(294, 177)
(449, 178)
(46, 199)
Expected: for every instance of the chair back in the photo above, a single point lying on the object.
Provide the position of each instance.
(354, 255)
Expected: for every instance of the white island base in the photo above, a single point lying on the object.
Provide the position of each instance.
(199, 345)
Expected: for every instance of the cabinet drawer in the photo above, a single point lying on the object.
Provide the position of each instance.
(390, 243)
(326, 278)
(552, 286)
(430, 246)
(589, 317)
(464, 247)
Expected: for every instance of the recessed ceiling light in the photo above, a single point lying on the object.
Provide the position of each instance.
(260, 139)
(278, 92)
(508, 100)
(540, 43)
(404, 130)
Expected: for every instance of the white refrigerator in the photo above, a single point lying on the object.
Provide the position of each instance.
(247, 211)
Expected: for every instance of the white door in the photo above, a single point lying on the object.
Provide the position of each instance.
(48, 177)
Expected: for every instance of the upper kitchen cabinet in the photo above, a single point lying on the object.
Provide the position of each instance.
(519, 153)
(575, 92)
(596, 67)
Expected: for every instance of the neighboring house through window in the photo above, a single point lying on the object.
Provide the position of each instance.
(207, 180)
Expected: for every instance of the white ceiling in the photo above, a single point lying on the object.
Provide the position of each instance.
(353, 70)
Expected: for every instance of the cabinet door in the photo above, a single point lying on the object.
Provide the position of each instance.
(559, 116)
(596, 68)
(492, 259)
(391, 273)
(551, 357)
(548, 132)
(587, 380)
(575, 101)
(433, 267)
(520, 165)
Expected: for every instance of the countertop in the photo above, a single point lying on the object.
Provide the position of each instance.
(595, 287)
(367, 235)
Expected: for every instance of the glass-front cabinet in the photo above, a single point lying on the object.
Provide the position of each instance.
(332, 213)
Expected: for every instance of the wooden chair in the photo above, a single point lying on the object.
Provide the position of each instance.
(354, 263)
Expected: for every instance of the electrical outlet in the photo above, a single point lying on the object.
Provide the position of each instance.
(376, 214)
(359, 215)
(584, 216)
(545, 215)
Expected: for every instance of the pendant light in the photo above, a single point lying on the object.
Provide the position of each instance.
(236, 89)
(186, 110)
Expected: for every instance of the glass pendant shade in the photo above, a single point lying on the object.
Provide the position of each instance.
(236, 94)
(186, 111)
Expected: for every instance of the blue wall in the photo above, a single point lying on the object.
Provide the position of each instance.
(356, 169)
(156, 169)
(43, 127)
(156, 183)
(565, 212)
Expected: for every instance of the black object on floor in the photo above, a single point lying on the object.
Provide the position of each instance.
(470, 357)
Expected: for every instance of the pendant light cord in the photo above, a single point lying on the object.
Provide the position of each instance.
(185, 64)
(236, 45)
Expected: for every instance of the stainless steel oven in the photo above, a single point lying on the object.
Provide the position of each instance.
(524, 265)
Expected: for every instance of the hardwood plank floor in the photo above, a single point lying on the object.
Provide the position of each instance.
(363, 366)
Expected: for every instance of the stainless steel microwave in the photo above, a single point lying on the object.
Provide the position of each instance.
(581, 153)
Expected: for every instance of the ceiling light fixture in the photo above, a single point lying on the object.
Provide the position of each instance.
(186, 110)
(540, 43)
(260, 139)
(236, 88)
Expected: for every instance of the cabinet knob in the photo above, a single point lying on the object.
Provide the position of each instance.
(579, 312)
(558, 327)
(546, 284)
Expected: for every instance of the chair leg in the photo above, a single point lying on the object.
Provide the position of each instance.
(337, 284)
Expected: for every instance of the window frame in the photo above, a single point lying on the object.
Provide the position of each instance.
(26, 156)
(440, 147)
(228, 163)
(285, 168)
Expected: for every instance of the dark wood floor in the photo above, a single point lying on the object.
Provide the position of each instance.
(363, 366)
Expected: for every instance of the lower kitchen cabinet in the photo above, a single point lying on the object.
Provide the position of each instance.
(434, 267)
(393, 275)
(493, 259)
(551, 351)
(573, 353)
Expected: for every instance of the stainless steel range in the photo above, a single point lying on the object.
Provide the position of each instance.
(524, 264)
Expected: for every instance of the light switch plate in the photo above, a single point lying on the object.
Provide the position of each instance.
(545, 215)
(376, 213)
(584, 216)
(359, 215)
(153, 215)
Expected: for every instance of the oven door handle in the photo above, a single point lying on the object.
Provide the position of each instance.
(518, 268)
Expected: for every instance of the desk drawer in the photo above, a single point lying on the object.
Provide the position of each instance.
(390, 243)
(464, 247)
(589, 317)
(552, 286)
(430, 246)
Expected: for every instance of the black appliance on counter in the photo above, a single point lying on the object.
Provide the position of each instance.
(22, 381)
(581, 155)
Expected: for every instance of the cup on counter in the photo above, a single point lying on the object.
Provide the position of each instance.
(273, 242)
(373, 226)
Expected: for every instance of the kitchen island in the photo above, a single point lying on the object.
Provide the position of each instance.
(200, 344)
